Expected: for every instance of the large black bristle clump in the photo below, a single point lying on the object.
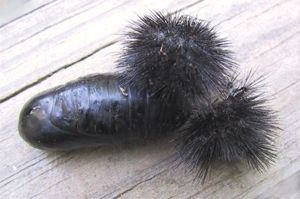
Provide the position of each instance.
(174, 56)
(237, 127)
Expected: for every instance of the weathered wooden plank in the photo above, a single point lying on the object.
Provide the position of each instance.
(13, 10)
(142, 171)
(24, 28)
(76, 34)
(287, 187)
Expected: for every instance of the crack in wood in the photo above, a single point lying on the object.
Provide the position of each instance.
(27, 13)
(65, 154)
(54, 24)
(28, 161)
(53, 185)
(229, 18)
(259, 14)
(19, 171)
(252, 17)
(46, 171)
(227, 177)
(29, 166)
(35, 177)
(188, 6)
(278, 44)
(268, 9)
(287, 87)
(76, 14)
(146, 175)
(242, 195)
(288, 185)
(136, 185)
(20, 90)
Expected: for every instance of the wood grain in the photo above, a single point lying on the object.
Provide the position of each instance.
(51, 50)
(14, 10)
(81, 29)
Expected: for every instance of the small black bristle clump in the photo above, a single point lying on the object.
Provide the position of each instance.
(238, 127)
(174, 56)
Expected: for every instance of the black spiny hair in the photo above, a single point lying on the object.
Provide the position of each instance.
(174, 56)
(237, 127)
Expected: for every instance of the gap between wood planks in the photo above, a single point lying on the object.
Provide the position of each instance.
(65, 66)
(41, 79)
(55, 71)
(50, 26)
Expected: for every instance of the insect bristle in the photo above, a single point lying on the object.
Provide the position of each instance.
(237, 128)
(174, 56)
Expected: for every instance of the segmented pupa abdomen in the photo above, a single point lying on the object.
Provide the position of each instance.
(93, 111)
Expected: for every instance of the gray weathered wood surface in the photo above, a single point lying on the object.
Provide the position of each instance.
(55, 41)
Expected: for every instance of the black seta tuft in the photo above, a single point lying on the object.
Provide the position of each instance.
(174, 56)
(181, 60)
(239, 127)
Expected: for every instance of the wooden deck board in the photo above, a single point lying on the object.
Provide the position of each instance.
(77, 33)
(44, 50)
(14, 10)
